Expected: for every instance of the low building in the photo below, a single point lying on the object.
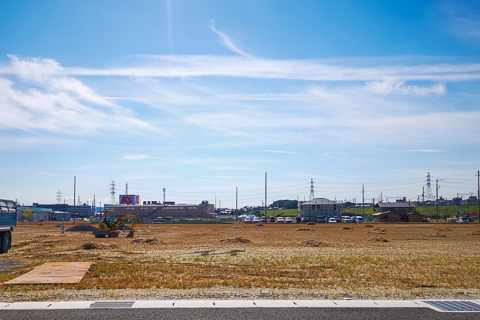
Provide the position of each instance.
(153, 211)
(319, 209)
(400, 211)
(34, 214)
(78, 211)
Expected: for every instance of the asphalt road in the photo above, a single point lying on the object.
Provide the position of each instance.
(237, 314)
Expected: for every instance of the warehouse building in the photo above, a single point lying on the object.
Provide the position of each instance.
(319, 209)
(152, 211)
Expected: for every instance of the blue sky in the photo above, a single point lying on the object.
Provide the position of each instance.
(202, 97)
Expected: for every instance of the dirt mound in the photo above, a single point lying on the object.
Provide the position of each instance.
(443, 229)
(149, 241)
(379, 239)
(436, 235)
(93, 245)
(310, 223)
(377, 231)
(368, 226)
(236, 240)
(259, 225)
(82, 228)
(474, 233)
(314, 243)
(346, 228)
(305, 229)
(237, 227)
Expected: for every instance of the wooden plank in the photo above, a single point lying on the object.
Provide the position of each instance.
(54, 272)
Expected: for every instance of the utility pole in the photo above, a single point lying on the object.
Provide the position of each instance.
(363, 201)
(437, 197)
(265, 194)
(478, 194)
(438, 187)
(423, 200)
(74, 195)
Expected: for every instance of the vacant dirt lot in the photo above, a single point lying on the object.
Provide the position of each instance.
(235, 261)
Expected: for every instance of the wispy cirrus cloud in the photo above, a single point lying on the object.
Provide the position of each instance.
(227, 42)
(136, 157)
(399, 87)
(425, 150)
(279, 151)
(42, 98)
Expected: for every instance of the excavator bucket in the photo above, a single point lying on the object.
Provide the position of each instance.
(131, 233)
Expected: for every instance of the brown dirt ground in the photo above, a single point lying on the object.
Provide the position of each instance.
(413, 262)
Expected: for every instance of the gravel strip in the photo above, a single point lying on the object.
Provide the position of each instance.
(234, 294)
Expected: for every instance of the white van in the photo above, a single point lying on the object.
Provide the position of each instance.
(359, 219)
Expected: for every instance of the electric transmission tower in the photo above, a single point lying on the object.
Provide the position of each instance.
(59, 196)
(428, 191)
(112, 192)
(312, 193)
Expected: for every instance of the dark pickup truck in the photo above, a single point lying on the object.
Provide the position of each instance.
(8, 220)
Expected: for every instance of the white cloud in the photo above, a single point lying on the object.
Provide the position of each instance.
(425, 150)
(227, 42)
(232, 168)
(399, 87)
(279, 151)
(136, 157)
(46, 101)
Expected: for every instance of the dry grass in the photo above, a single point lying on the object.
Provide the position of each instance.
(405, 257)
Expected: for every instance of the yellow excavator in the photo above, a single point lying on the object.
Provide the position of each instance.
(108, 228)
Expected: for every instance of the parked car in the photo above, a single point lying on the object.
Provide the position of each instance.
(264, 219)
(359, 219)
(247, 220)
(304, 219)
(463, 220)
(332, 220)
(280, 220)
(256, 220)
(346, 219)
(288, 220)
(272, 220)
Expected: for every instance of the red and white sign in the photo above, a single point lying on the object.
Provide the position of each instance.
(129, 199)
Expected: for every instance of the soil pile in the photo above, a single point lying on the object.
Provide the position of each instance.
(82, 228)
(93, 245)
(378, 231)
(443, 229)
(305, 229)
(149, 241)
(236, 240)
(314, 243)
(474, 233)
(310, 223)
(379, 239)
(437, 235)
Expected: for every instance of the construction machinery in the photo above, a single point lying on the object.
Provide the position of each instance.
(110, 228)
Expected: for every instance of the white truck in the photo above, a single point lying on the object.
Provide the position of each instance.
(8, 220)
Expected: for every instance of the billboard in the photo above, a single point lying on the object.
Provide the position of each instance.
(129, 199)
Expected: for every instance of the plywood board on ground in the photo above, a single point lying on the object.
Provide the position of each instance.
(54, 272)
